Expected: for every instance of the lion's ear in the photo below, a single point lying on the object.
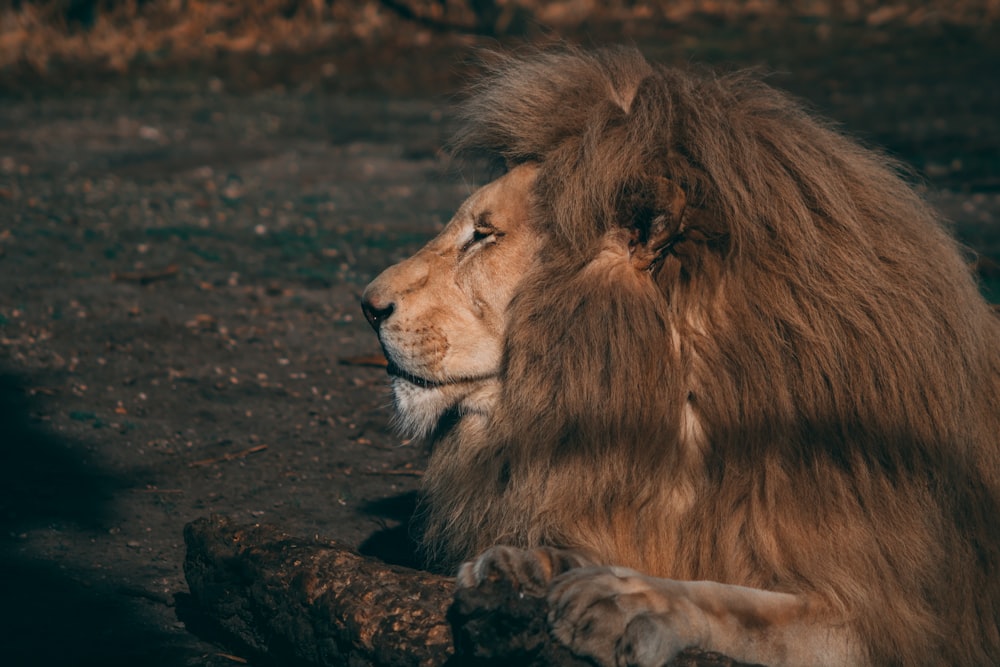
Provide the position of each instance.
(657, 225)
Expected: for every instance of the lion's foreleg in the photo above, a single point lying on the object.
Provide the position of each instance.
(620, 617)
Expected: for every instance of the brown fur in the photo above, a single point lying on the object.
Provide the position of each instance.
(804, 396)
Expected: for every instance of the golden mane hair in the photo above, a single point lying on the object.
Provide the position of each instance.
(804, 397)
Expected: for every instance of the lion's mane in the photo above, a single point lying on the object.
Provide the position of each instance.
(805, 398)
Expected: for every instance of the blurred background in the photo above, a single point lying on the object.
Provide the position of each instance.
(875, 65)
(284, 38)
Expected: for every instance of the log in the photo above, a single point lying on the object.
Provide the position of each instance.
(315, 603)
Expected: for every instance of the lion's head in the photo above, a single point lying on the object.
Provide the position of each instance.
(697, 332)
(441, 315)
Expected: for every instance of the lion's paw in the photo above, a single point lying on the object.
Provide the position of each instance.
(530, 571)
(620, 617)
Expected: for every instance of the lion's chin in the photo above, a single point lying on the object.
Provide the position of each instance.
(420, 406)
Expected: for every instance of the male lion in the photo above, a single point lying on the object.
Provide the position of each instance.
(707, 372)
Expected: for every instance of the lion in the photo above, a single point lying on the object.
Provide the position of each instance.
(703, 371)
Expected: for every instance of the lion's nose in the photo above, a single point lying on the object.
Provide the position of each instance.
(376, 312)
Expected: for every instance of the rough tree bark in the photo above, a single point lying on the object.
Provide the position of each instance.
(315, 603)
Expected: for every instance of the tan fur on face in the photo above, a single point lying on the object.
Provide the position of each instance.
(449, 303)
(803, 396)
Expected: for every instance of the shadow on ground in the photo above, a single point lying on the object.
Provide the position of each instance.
(54, 613)
(395, 544)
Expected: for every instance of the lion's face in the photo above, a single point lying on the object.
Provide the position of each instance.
(440, 315)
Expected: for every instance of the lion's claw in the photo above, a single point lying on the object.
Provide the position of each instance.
(517, 566)
(530, 571)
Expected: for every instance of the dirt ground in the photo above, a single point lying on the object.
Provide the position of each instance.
(181, 259)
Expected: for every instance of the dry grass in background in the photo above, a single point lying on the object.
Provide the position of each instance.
(40, 34)
(112, 35)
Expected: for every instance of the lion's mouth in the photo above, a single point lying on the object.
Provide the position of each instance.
(395, 371)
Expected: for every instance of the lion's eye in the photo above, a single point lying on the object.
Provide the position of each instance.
(480, 233)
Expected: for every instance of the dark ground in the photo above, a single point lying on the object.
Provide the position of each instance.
(181, 257)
